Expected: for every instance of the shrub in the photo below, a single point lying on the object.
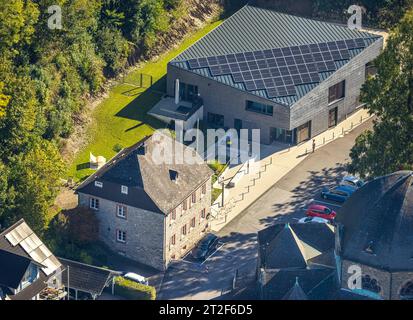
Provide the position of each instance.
(133, 291)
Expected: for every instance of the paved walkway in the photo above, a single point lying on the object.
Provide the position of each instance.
(265, 173)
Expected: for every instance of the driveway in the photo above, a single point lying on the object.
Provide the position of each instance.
(284, 202)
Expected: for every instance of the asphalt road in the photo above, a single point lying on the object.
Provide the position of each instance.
(286, 201)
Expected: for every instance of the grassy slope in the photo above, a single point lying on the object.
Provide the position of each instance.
(121, 118)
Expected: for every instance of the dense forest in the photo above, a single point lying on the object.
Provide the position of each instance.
(378, 13)
(46, 76)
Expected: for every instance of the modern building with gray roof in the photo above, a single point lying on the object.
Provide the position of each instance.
(149, 210)
(289, 76)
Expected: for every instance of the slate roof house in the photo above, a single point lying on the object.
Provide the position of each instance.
(296, 262)
(288, 76)
(375, 233)
(28, 270)
(149, 212)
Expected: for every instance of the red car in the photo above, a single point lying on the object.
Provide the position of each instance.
(316, 210)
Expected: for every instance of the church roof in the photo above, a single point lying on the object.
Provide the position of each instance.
(377, 223)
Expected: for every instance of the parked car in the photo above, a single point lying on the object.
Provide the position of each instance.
(313, 220)
(338, 193)
(352, 181)
(320, 211)
(136, 278)
(204, 247)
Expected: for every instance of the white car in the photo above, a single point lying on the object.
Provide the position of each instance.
(313, 220)
(136, 277)
(352, 181)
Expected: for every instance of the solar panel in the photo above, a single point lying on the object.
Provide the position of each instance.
(252, 65)
(247, 75)
(240, 57)
(330, 66)
(286, 51)
(277, 53)
(203, 62)
(237, 76)
(295, 50)
(212, 61)
(290, 90)
(268, 83)
(268, 54)
(272, 92)
(243, 66)
(259, 84)
(306, 49)
(193, 63)
(265, 73)
(351, 44)
(215, 70)
(360, 43)
(276, 70)
(250, 85)
(282, 91)
(249, 56)
(231, 58)
(225, 69)
(258, 55)
(345, 55)
(262, 64)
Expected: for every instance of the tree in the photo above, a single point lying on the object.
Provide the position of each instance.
(35, 176)
(389, 96)
(4, 101)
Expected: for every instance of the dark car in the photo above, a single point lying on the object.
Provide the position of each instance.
(204, 246)
(338, 194)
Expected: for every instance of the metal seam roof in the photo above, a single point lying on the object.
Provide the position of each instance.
(233, 36)
(253, 28)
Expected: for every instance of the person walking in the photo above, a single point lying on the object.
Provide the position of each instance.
(313, 145)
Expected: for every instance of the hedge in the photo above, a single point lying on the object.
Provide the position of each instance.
(132, 290)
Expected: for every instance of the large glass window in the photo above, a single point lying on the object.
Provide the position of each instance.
(216, 119)
(259, 108)
(337, 92)
(187, 92)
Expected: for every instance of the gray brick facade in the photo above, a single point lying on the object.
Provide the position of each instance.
(148, 234)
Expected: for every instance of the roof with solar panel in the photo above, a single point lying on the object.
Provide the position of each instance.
(273, 55)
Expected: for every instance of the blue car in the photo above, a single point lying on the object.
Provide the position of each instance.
(338, 193)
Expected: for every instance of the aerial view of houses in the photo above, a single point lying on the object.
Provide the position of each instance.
(206, 150)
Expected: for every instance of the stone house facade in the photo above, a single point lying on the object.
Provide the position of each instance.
(149, 213)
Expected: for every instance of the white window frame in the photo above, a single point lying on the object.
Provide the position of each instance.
(124, 211)
(120, 236)
(94, 203)
(124, 190)
(99, 184)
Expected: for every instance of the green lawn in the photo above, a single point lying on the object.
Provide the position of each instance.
(121, 118)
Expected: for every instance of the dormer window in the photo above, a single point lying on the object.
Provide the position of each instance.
(173, 175)
(98, 184)
(124, 189)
